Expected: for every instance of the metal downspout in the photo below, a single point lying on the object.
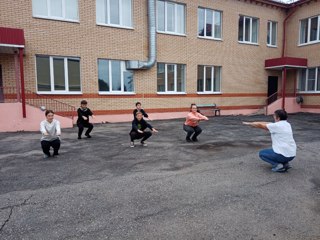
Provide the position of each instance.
(137, 64)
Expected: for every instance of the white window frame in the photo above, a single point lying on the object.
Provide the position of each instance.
(317, 72)
(63, 18)
(175, 79)
(66, 76)
(212, 80)
(269, 44)
(213, 24)
(122, 69)
(120, 25)
(309, 31)
(175, 19)
(244, 30)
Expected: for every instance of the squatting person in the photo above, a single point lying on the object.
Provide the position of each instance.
(50, 129)
(83, 119)
(283, 145)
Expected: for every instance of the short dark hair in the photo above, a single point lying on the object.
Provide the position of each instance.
(138, 103)
(84, 102)
(48, 111)
(192, 104)
(139, 113)
(281, 114)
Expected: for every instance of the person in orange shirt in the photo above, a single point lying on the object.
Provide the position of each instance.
(191, 125)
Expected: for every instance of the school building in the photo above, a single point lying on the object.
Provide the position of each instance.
(245, 56)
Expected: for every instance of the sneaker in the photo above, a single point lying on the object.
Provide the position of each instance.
(278, 168)
(188, 139)
(55, 155)
(79, 137)
(195, 139)
(45, 156)
(132, 144)
(144, 144)
(287, 166)
(88, 135)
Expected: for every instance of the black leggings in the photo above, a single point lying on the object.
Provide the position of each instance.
(55, 144)
(81, 126)
(190, 130)
(136, 135)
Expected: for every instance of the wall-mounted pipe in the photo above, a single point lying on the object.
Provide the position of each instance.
(137, 64)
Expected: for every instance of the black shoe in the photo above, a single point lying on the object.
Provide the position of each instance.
(55, 155)
(79, 137)
(286, 166)
(195, 139)
(88, 135)
(188, 139)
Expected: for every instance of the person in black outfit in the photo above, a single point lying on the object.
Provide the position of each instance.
(139, 109)
(83, 119)
(139, 125)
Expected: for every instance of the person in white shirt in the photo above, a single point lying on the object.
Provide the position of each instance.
(51, 131)
(283, 145)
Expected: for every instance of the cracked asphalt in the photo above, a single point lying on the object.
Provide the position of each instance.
(100, 188)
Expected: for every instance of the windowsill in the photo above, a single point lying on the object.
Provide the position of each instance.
(248, 43)
(117, 93)
(272, 46)
(114, 26)
(211, 38)
(209, 93)
(171, 93)
(172, 33)
(59, 93)
(309, 43)
(310, 92)
(57, 19)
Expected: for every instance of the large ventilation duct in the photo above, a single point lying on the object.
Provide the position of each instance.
(137, 64)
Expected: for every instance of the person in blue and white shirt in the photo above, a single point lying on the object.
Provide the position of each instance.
(283, 145)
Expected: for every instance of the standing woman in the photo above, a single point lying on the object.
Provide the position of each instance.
(51, 131)
(191, 125)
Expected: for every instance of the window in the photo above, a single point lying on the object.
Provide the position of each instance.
(209, 23)
(113, 77)
(248, 29)
(114, 12)
(170, 17)
(58, 74)
(272, 33)
(56, 9)
(310, 30)
(309, 80)
(171, 78)
(209, 79)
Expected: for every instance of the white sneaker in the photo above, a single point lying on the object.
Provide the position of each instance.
(132, 144)
(144, 144)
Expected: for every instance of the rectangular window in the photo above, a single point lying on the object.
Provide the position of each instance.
(170, 17)
(248, 29)
(309, 80)
(209, 23)
(171, 78)
(272, 33)
(113, 77)
(310, 30)
(58, 74)
(209, 79)
(114, 13)
(56, 9)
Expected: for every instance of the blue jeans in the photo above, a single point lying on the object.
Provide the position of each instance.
(269, 156)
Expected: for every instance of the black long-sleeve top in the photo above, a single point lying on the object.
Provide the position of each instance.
(83, 112)
(142, 111)
(140, 125)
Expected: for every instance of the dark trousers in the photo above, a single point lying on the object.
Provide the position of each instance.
(269, 156)
(192, 130)
(55, 144)
(136, 135)
(81, 126)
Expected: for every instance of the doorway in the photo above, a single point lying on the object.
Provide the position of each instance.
(272, 89)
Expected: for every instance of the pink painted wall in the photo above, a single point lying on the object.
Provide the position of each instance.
(13, 120)
(291, 106)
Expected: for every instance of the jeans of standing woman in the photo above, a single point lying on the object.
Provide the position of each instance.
(190, 130)
(55, 144)
(269, 156)
(136, 135)
(81, 126)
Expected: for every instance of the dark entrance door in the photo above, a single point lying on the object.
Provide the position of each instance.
(272, 89)
(1, 86)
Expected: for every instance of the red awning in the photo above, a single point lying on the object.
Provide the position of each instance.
(11, 39)
(287, 62)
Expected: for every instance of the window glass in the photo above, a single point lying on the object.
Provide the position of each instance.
(200, 79)
(58, 74)
(201, 13)
(72, 9)
(304, 31)
(311, 79)
(209, 22)
(217, 24)
(161, 15)
(74, 75)
(56, 8)
(114, 12)
(247, 29)
(161, 78)
(274, 34)
(101, 11)
(170, 17)
(314, 29)
(170, 77)
(269, 33)
(208, 84)
(180, 78)
(127, 79)
(241, 24)
(116, 75)
(217, 74)
(43, 73)
(254, 30)
(180, 19)
(103, 75)
(127, 13)
(318, 80)
(40, 7)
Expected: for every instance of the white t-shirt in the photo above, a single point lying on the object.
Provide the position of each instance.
(282, 138)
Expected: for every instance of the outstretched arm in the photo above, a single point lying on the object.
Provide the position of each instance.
(262, 125)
